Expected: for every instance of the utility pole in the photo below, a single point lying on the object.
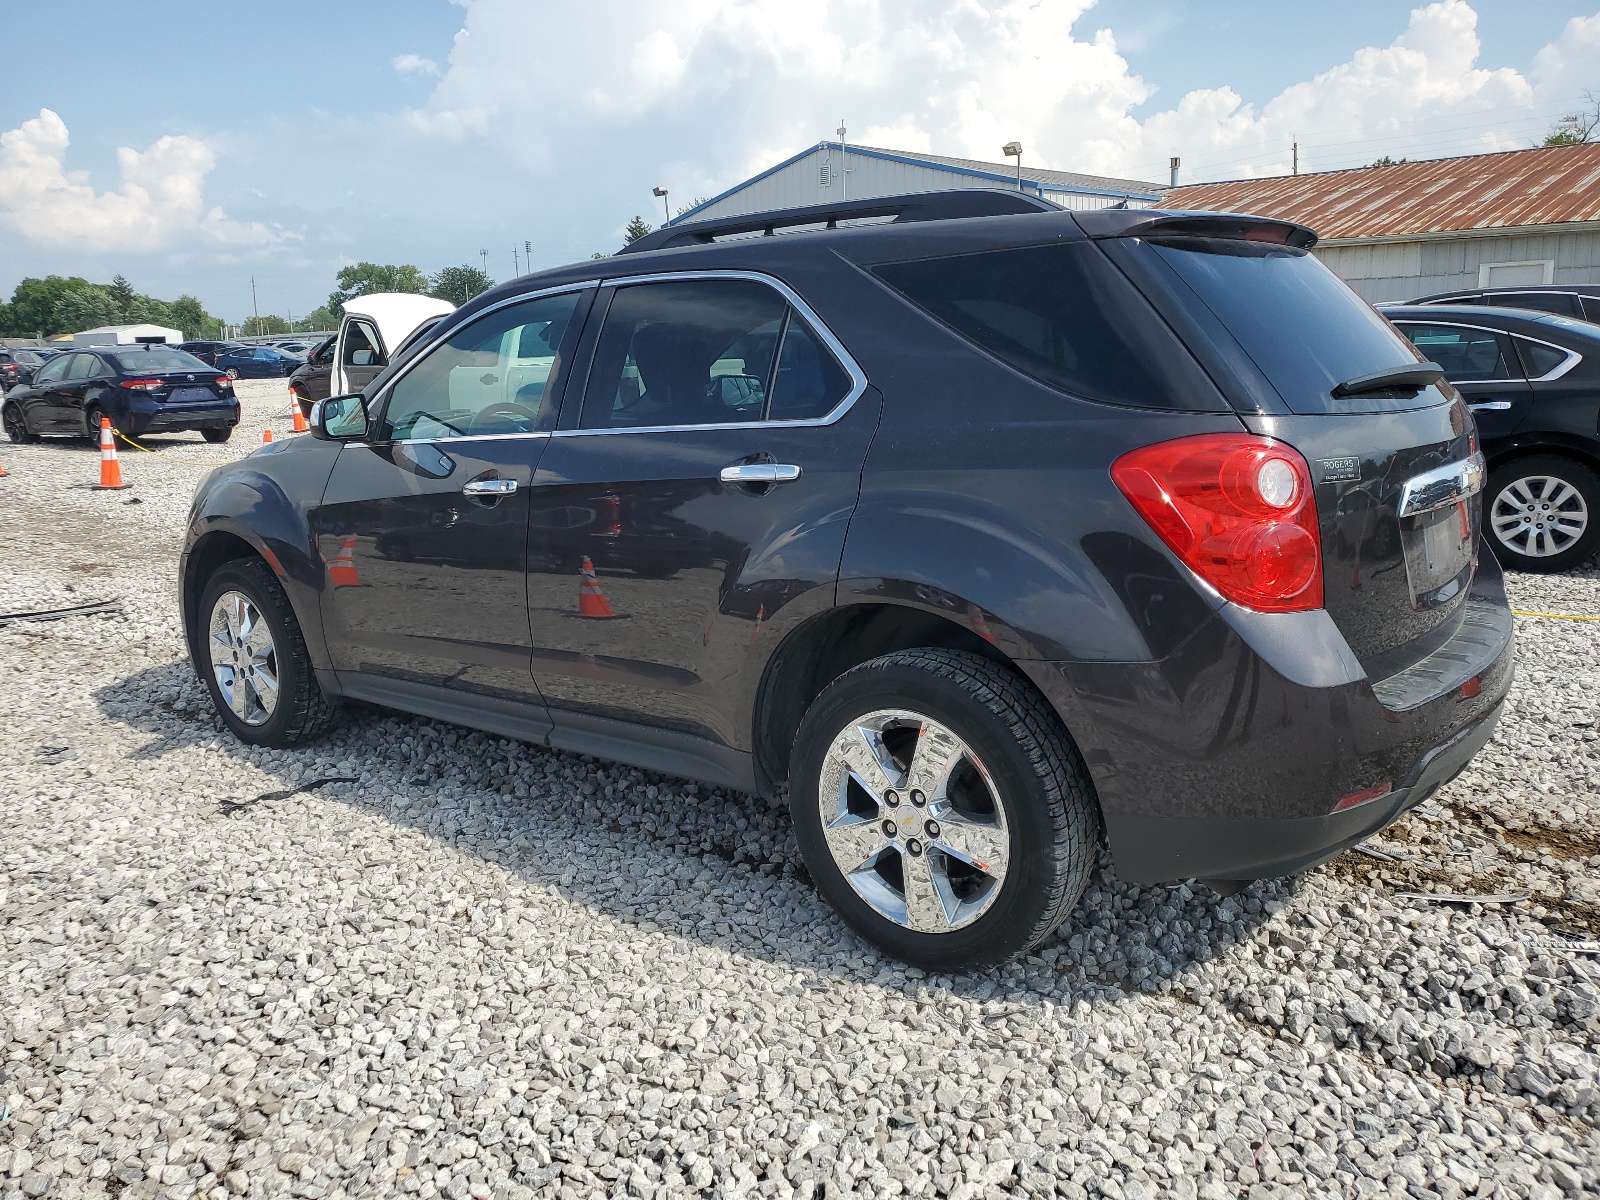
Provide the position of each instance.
(527, 254)
(844, 164)
(253, 306)
(1296, 167)
(516, 264)
(484, 254)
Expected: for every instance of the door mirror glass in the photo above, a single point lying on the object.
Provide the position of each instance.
(339, 418)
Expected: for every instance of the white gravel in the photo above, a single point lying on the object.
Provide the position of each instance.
(487, 969)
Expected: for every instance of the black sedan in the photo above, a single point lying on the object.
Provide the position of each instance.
(256, 362)
(143, 389)
(207, 352)
(1532, 381)
(1580, 300)
(19, 365)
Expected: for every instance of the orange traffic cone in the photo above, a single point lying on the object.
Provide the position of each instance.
(342, 568)
(110, 468)
(300, 425)
(2, 471)
(266, 436)
(592, 601)
(761, 613)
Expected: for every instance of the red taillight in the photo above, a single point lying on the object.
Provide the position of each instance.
(144, 385)
(223, 382)
(1237, 509)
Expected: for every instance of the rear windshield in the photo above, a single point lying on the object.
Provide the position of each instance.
(157, 359)
(1303, 327)
(1064, 315)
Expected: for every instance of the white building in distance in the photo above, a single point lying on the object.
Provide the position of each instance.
(127, 335)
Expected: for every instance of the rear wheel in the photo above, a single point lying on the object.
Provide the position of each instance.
(1542, 513)
(91, 424)
(16, 425)
(232, 372)
(942, 809)
(254, 660)
(217, 435)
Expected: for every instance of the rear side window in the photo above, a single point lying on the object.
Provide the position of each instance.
(1539, 358)
(1467, 355)
(1591, 307)
(708, 352)
(1561, 303)
(1303, 327)
(1064, 315)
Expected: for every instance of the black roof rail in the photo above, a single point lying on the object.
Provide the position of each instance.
(920, 206)
(1146, 222)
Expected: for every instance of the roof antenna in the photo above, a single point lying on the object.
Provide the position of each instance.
(844, 168)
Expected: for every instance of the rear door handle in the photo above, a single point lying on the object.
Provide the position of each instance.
(490, 487)
(760, 473)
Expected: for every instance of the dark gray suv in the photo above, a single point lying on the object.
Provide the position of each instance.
(985, 528)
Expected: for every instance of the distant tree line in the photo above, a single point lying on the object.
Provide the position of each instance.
(69, 304)
(455, 284)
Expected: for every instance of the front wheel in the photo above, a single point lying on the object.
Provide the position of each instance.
(16, 424)
(942, 809)
(1542, 513)
(254, 661)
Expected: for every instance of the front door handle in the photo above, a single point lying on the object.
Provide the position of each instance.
(760, 473)
(1490, 406)
(490, 487)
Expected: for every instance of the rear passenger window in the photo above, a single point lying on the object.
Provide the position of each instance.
(1467, 355)
(708, 352)
(1560, 303)
(1062, 314)
(1591, 308)
(1539, 358)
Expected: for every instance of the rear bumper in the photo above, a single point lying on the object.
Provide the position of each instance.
(1228, 759)
(175, 418)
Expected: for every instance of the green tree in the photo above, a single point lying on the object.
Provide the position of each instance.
(188, 314)
(122, 296)
(147, 309)
(1575, 129)
(365, 278)
(459, 284)
(693, 204)
(316, 320)
(83, 308)
(636, 229)
(1386, 161)
(33, 305)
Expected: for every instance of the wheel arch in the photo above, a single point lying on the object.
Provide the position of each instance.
(1583, 452)
(825, 646)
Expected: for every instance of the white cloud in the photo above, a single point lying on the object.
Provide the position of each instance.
(708, 91)
(414, 64)
(161, 198)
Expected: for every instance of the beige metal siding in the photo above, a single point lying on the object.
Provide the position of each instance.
(1405, 270)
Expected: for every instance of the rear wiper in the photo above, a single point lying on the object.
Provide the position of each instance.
(1415, 376)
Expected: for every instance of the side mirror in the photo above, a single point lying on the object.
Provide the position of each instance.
(339, 418)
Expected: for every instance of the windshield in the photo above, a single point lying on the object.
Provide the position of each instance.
(1303, 326)
(157, 359)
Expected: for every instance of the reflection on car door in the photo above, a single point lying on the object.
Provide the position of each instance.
(423, 527)
(689, 571)
(1484, 368)
(43, 409)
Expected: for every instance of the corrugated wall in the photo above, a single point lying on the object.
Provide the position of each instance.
(802, 182)
(1406, 270)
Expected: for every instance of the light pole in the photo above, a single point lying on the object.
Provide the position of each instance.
(1014, 150)
(666, 213)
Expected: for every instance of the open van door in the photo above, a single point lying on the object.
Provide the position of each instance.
(373, 329)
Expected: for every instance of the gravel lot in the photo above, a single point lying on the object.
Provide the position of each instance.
(485, 969)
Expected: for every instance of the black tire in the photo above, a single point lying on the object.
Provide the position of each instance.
(303, 711)
(1524, 481)
(217, 435)
(1051, 814)
(16, 424)
(232, 373)
(91, 424)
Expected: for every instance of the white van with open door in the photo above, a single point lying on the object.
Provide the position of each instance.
(373, 329)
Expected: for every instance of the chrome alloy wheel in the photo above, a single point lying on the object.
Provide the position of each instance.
(913, 820)
(1539, 515)
(244, 658)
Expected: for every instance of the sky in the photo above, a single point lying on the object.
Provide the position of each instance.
(197, 147)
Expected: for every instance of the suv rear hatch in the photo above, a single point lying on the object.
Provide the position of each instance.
(1302, 358)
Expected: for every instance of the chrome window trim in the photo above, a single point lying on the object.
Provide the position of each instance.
(381, 400)
(858, 378)
(1573, 357)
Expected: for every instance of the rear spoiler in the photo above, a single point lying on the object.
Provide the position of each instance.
(1150, 222)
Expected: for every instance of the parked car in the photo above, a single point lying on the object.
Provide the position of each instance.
(1532, 380)
(309, 381)
(999, 525)
(143, 389)
(298, 349)
(1580, 300)
(207, 352)
(18, 366)
(255, 362)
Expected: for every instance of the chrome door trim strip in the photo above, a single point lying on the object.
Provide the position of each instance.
(1444, 485)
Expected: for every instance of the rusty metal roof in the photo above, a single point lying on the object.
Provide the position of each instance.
(1481, 191)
